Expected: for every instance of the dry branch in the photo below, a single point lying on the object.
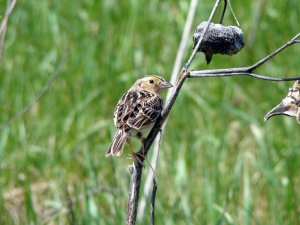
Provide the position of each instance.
(137, 167)
(187, 65)
(154, 189)
(248, 71)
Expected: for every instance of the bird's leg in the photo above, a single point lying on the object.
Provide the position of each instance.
(128, 141)
(139, 155)
(142, 139)
(133, 155)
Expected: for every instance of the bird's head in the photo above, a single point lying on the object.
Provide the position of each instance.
(152, 83)
(290, 105)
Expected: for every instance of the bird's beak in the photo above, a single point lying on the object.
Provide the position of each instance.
(165, 84)
(289, 106)
(287, 109)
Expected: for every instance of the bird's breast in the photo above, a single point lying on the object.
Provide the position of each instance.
(144, 130)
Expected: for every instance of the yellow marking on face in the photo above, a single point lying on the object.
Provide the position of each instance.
(156, 79)
(297, 85)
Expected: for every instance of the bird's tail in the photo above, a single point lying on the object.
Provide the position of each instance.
(117, 145)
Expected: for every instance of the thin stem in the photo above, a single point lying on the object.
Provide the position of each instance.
(152, 207)
(196, 74)
(258, 76)
(187, 65)
(150, 175)
(240, 70)
(223, 12)
(134, 189)
(296, 37)
(268, 57)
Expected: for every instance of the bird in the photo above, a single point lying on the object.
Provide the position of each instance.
(290, 105)
(137, 111)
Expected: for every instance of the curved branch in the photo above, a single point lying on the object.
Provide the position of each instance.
(258, 76)
(270, 56)
(195, 74)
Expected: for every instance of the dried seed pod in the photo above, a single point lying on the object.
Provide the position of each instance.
(219, 39)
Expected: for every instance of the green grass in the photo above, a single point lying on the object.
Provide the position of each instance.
(220, 163)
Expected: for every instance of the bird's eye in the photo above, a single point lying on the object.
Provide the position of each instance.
(151, 81)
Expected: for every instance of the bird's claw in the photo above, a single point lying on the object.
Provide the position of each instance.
(137, 156)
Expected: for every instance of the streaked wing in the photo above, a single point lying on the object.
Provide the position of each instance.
(136, 109)
(148, 111)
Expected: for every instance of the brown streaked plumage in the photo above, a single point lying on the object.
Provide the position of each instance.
(137, 111)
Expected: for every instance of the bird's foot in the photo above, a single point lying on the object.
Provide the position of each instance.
(137, 156)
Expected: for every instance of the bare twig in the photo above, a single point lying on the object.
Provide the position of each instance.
(270, 56)
(150, 176)
(3, 27)
(39, 96)
(187, 65)
(230, 72)
(176, 68)
(153, 202)
(248, 71)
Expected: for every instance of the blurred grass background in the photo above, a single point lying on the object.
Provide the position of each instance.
(220, 163)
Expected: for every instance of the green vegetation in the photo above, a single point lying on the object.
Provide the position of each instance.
(220, 162)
